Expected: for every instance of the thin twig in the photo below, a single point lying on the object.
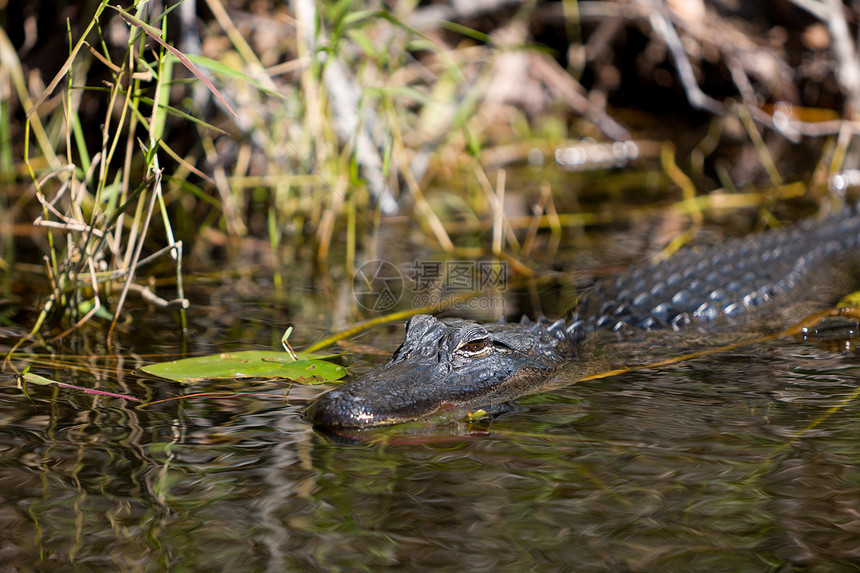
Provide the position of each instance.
(697, 98)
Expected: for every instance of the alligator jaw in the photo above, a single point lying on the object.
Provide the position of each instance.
(445, 365)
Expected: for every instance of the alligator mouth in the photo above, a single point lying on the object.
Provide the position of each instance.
(392, 394)
(334, 409)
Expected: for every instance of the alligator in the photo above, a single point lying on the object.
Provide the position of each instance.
(463, 366)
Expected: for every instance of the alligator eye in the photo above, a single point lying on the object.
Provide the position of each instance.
(475, 346)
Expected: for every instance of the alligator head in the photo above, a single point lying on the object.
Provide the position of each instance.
(444, 365)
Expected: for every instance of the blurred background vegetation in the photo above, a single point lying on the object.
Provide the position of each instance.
(145, 145)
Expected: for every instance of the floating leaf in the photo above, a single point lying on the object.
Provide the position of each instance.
(31, 378)
(247, 364)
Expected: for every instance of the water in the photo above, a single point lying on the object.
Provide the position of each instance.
(745, 461)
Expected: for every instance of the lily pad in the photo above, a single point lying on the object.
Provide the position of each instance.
(247, 364)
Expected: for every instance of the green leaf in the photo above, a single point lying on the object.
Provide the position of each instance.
(30, 378)
(225, 70)
(248, 364)
(36, 379)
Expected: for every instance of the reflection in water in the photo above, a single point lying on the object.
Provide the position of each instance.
(741, 462)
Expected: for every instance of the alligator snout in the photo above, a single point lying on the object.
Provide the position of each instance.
(443, 366)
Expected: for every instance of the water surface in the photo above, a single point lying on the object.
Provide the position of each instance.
(745, 461)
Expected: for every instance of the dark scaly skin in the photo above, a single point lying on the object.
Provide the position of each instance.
(462, 365)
